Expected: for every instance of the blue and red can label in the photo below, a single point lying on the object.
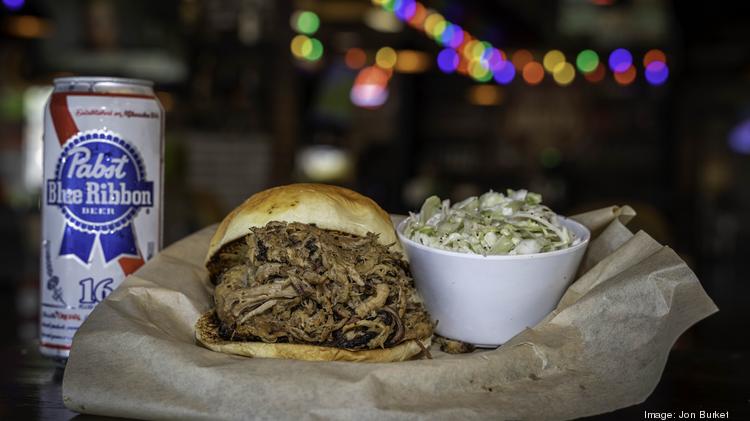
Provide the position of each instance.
(101, 203)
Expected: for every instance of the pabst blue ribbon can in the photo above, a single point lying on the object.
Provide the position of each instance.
(101, 197)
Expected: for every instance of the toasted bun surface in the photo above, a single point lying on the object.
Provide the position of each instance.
(328, 207)
(207, 334)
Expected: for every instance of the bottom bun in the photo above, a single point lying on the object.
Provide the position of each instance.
(207, 334)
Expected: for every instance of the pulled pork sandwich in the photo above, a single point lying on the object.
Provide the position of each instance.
(312, 272)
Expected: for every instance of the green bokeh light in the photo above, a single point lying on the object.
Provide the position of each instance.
(316, 52)
(308, 22)
(479, 71)
(587, 61)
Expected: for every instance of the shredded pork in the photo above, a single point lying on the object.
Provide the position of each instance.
(301, 284)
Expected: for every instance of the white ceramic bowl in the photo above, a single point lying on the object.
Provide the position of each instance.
(486, 300)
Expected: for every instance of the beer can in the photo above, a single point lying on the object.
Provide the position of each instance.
(101, 197)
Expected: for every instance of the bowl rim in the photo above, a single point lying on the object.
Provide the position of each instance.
(498, 257)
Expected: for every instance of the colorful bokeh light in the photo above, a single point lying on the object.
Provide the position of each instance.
(654, 55)
(587, 61)
(620, 60)
(533, 73)
(552, 60)
(417, 20)
(480, 71)
(597, 75)
(306, 22)
(355, 58)
(448, 60)
(439, 29)
(300, 44)
(495, 58)
(388, 5)
(405, 9)
(14, 4)
(739, 138)
(626, 77)
(564, 74)
(431, 22)
(520, 58)
(505, 73)
(467, 50)
(316, 50)
(452, 36)
(657, 73)
(386, 58)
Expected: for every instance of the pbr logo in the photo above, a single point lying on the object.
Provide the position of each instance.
(99, 186)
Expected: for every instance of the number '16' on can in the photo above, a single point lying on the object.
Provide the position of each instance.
(101, 197)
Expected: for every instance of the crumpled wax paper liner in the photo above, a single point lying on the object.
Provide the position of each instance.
(603, 348)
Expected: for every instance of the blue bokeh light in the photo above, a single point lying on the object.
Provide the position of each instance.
(405, 9)
(504, 73)
(448, 60)
(657, 72)
(739, 138)
(14, 4)
(620, 60)
(453, 36)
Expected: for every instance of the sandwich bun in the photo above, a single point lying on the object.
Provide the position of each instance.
(207, 334)
(325, 206)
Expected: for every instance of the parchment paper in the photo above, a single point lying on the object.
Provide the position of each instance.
(603, 348)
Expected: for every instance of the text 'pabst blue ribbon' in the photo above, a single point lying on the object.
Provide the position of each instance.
(100, 186)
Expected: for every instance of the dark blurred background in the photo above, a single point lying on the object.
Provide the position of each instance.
(395, 100)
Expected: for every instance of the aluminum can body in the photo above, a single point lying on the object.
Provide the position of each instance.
(101, 198)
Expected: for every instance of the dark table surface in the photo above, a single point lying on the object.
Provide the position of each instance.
(694, 380)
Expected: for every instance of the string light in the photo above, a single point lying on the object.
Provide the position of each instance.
(520, 58)
(305, 22)
(597, 75)
(625, 77)
(417, 20)
(482, 61)
(316, 50)
(620, 60)
(564, 74)
(654, 55)
(299, 45)
(14, 4)
(405, 9)
(587, 61)
(657, 73)
(448, 60)
(303, 46)
(533, 73)
(480, 71)
(505, 73)
(431, 21)
(552, 60)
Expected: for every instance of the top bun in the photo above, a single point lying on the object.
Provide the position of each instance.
(328, 207)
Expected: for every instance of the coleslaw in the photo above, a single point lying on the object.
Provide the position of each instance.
(491, 224)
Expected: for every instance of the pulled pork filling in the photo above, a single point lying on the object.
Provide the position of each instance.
(296, 283)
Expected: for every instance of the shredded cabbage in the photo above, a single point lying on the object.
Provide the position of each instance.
(491, 224)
